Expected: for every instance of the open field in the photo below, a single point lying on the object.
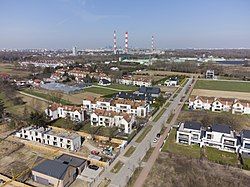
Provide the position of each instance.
(178, 170)
(165, 73)
(233, 86)
(100, 90)
(10, 69)
(224, 94)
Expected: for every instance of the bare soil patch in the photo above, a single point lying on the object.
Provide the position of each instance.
(174, 170)
(224, 94)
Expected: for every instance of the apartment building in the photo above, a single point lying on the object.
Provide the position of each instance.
(123, 121)
(70, 141)
(221, 137)
(190, 132)
(245, 142)
(218, 136)
(210, 74)
(173, 81)
(119, 105)
(55, 111)
(219, 104)
(136, 81)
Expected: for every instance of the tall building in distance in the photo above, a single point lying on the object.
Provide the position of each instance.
(74, 51)
(152, 44)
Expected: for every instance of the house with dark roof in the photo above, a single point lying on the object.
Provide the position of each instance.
(150, 91)
(189, 132)
(135, 96)
(60, 172)
(222, 137)
(104, 82)
(245, 142)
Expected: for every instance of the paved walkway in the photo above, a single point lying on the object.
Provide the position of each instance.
(122, 177)
(148, 166)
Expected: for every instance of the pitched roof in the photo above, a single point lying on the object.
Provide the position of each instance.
(52, 168)
(192, 125)
(221, 128)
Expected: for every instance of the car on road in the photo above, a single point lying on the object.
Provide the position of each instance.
(155, 140)
(94, 152)
(94, 167)
(158, 135)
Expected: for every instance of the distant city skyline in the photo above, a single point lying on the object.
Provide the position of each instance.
(62, 24)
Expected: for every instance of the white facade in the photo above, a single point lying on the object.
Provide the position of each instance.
(136, 108)
(219, 104)
(49, 137)
(110, 119)
(245, 142)
(56, 111)
(135, 82)
(210, 74)
(189, 135)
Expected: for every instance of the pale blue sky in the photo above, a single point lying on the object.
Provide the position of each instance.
(90, 23)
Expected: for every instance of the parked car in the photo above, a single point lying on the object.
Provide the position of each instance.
(158, 135)
(94, 167)
(94, 152)
(155, 140)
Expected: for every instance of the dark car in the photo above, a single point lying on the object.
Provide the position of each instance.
(94, 152)
(158, 135)
(94, 167)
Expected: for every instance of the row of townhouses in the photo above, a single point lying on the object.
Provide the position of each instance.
(219, 104)
(218, 136)
(70, 141)
(123, 121)
(119, 105)
(136, 81)
(55, 111)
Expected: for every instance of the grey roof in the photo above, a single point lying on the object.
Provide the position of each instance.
(192, 125)
(52, 168)
(61, 87)
(71, 160)
(149, 90)
(133, 96)
(221, 128)
(246, 134)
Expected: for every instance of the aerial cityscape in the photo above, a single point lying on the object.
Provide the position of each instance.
(124, 93)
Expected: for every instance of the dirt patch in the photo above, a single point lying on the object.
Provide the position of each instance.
(8, 147)
(224, 94)
(78, 97)
(173, 170)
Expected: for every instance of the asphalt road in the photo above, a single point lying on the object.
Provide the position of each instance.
(121, 178)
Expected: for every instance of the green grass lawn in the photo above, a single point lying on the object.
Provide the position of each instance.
(63, 123)
(148, 154)
(88, 128)
(223, 85)
(123, 87)
(221, 157)
(107, 131)
(144, 133)
(117, 167)
(101, 91)
(246, 163)
(157, 117)
(171, 146)
(130, 151)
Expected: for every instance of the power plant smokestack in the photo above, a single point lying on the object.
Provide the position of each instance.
(115, 43)
(152, 44)
(126, 42)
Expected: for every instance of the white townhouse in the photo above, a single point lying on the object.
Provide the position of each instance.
(221, 104)
(173, 81)
(70, 141)
(112, 119)
(190, 132)
(245, 142)
(241, 107)
(136, 81)
(133, 107)
(56, 111)
(200, 103)
(221, 137)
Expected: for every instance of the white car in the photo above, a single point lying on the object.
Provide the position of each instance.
(155, 140)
